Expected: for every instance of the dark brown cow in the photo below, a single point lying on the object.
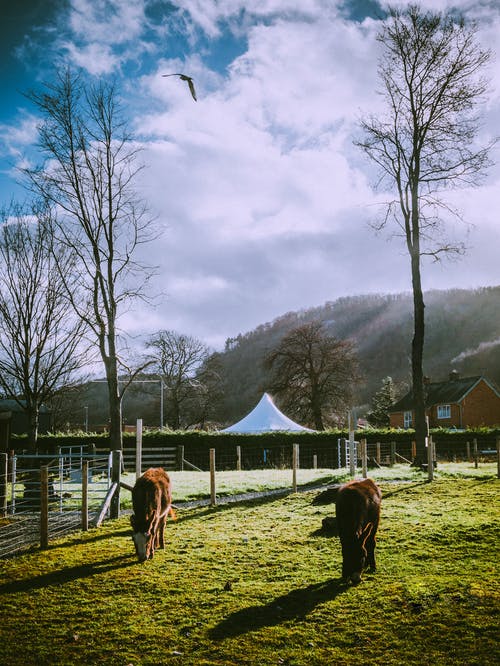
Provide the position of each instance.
(152, 502)
(358, 515)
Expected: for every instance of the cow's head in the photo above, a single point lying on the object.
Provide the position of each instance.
(354, 556)
(143, 541)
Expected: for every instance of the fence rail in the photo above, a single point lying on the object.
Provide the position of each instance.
(166, 457)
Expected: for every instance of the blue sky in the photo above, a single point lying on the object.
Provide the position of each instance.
(263, 199)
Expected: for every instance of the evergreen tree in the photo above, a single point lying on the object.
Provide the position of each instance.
(381, 403)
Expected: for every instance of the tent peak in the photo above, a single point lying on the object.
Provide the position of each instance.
(265, 417)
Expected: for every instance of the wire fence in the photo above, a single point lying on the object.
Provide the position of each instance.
(22, 497)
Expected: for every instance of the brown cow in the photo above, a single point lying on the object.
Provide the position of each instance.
(358, 514)
(152, 502)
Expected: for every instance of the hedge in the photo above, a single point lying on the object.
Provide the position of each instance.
(197, 443)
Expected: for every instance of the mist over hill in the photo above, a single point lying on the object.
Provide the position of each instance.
(462, 333)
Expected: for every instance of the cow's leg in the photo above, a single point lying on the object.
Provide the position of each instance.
(152, 546)
(370, 551)
(161, 532)
(153, 538)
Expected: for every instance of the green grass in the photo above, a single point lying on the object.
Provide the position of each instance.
(258, 584)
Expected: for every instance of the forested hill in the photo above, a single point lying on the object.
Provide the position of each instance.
(462, 333)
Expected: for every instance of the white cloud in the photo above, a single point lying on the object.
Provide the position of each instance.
(106, 21)
(208, 14)
(100, 36)
(23, 133)
(97, 59)
(263, 198)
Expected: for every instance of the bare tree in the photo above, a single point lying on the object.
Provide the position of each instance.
(209, 391)
(314, 374)
(430, 72)
(41, 343)
(177, 359)
(89, 177)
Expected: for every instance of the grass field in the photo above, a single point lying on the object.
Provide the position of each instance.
(259, 584)
(189, 486)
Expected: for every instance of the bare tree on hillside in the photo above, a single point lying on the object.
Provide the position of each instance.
(41, 343)
(209, 391)
(431, 79)
(178, 358)
(313, 374)
(89, 175)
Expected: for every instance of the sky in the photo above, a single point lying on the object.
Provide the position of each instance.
(264, 203)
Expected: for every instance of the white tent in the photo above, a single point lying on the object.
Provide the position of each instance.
(265, 417)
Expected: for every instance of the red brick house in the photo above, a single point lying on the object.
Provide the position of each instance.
(466, 402)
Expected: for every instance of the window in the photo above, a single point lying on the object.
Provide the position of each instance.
(407, 419)
(444, 411)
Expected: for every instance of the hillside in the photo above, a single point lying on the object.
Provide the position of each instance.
(462, 333)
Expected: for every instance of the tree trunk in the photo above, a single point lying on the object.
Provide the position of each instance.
(176, 412)
(115, 427)
(417, 350)
(115, 406)
(316, 412)
(318, 421)
(33, 428)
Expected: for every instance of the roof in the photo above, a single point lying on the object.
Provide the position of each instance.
(265, 417)
(438, 393)
(7, 405)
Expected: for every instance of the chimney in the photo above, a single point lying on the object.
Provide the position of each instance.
(454, 375)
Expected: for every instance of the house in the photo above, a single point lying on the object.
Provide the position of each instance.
(466, 402)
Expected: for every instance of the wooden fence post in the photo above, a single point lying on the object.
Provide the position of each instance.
(4, 470)
(377, 453)
(138, 448)
(238, 458)
(116, 463)
(44, 507)
(180, 458)
(92, 451)
(315, 461)
(393, 454)
(295, 465)
(352, 457)
(213, 496)
(476, 458)
(364, 458)
(467, 451)
(85, 495)
(430, 459)
(498, 456)
(413, 451)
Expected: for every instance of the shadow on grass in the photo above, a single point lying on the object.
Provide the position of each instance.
(68, 574)
(404, 489)
(73, 540)
(228, 503)
(327, 496)
(295, 605)
(327, 530)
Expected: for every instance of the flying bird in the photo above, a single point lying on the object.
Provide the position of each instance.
(189, 80)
